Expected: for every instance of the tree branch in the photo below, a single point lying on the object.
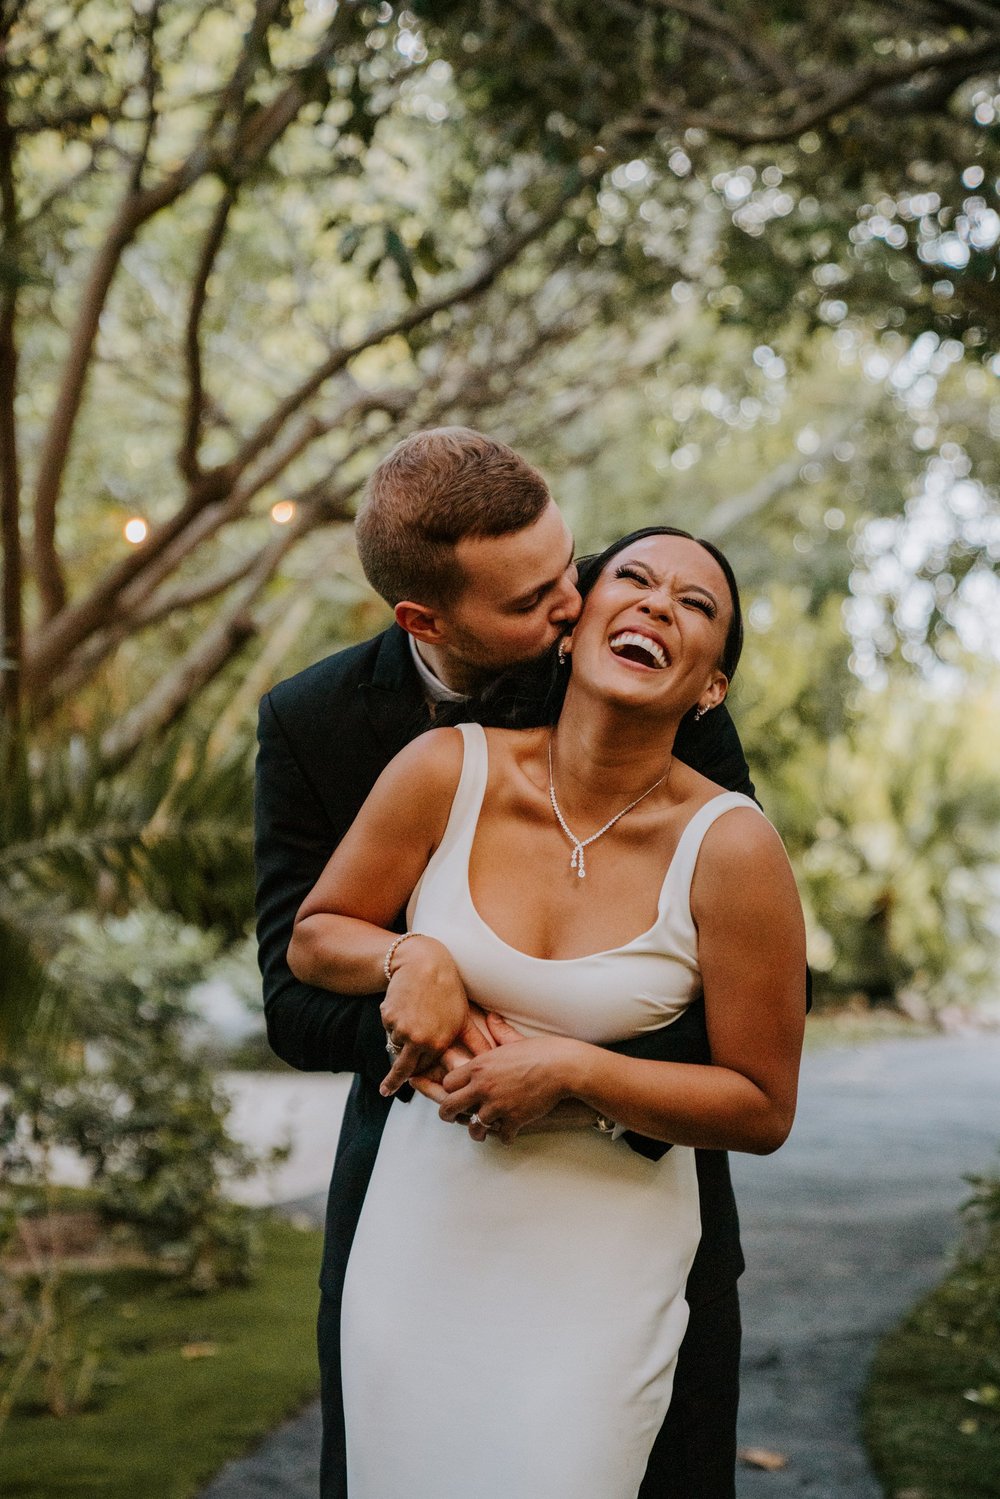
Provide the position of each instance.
(12, 586)
(466, 290)
(66, 119)
(767, 62)
(86, 661)
(845, 92)
(228, 508)
(187, 596)
(290, 624)
(965, 11)
(187, 458)
(227, 635)
(128, 606)
(231, 98)
(63, 633)
(136, 208)
(165, 704)
(150, 81)
(542, 13)
(739, 508)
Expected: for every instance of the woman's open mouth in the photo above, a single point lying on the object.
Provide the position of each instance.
(641, 650)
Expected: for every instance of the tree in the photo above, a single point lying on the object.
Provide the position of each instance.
(267, 239)
(889, 809)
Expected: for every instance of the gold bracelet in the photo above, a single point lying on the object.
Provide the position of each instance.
(387, 965)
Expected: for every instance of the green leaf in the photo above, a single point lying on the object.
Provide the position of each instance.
(398, 253)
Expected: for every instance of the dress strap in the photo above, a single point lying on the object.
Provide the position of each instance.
(471, 789)
(677, 885)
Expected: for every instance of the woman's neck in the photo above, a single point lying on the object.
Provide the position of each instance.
(602, 754)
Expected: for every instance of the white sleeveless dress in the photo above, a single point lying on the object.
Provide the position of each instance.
(512, 1314)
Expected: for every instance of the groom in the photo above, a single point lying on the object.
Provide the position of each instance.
(462, 538)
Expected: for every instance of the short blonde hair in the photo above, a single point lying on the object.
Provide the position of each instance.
(434, 488)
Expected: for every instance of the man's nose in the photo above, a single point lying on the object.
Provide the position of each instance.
(568, 603)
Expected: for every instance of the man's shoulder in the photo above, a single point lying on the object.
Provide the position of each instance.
(354, 663)
(335, 676)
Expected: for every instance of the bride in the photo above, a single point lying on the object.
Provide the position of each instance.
(514, 1300)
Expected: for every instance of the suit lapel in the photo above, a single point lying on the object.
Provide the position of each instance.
(393, 698)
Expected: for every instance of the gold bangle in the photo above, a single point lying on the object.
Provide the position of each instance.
(387, 965)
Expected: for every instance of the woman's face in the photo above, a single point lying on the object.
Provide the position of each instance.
(654, 627)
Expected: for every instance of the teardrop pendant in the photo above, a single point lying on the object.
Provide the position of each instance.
(579, 844)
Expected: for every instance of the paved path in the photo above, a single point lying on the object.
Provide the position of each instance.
(843, 1229)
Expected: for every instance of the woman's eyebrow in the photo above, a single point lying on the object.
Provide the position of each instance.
(637, 562)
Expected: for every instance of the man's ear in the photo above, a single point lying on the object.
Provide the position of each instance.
(420, 621)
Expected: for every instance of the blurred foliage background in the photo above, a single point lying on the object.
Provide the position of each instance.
(728, 267)
(735, 268)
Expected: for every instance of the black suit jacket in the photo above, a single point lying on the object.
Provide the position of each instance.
(325, 735)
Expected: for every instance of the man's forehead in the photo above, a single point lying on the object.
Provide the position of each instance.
(517, 563)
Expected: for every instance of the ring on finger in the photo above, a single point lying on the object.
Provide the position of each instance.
(392, 1048)
(475, 1119)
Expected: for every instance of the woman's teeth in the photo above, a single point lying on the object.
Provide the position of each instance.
(640, 648)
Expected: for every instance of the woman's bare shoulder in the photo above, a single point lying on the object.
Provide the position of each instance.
(433, 760)
(741, 859)
(741, 836)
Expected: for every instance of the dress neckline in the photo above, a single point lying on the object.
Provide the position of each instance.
(604, 952)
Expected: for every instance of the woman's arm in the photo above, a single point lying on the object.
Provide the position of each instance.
(751, 944)
(342, 931)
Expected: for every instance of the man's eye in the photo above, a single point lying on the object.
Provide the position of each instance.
(527, 608)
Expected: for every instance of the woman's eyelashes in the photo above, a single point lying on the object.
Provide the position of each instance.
(699, 603)
(695, 600)
(636, 577)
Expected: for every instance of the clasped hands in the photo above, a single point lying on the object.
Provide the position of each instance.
(467, 1062)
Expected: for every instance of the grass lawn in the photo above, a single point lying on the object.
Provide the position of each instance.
(932, 1408)
(193, 1380)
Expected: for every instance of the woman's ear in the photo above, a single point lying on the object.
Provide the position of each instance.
(420, 621)
(712, 695)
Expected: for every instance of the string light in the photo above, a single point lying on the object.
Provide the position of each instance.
(136, 530)
(282, 512)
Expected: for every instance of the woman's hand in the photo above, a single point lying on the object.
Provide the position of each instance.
(568, 1114)
(425, 1010)
(512, 1087)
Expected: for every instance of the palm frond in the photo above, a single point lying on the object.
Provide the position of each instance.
(172, 831)
(25, 985)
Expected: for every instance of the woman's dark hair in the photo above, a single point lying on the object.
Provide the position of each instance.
(531, 694)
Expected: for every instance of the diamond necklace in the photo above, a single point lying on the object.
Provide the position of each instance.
(577, 861)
